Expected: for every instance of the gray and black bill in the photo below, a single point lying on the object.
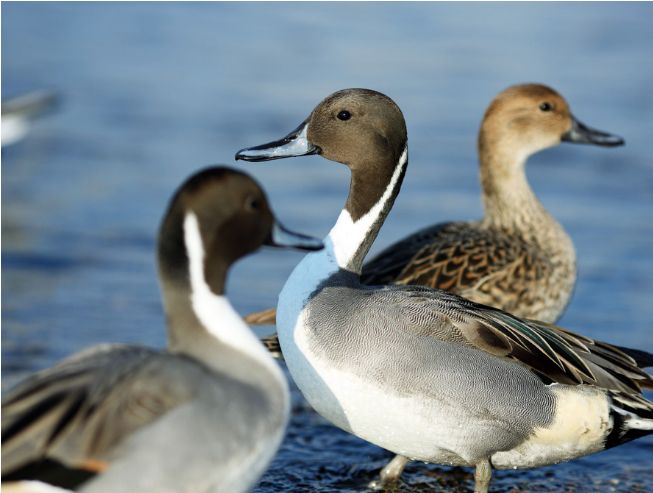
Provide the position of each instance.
(292, 145)
(282, 237)
(580, 133)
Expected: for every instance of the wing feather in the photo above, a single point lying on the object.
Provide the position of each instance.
(553, 353)
(79, 409)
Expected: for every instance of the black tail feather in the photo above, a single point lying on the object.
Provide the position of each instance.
(642, 358)
(632, 417)
(51, 472)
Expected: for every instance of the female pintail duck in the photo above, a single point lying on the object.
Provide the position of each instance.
(518, 258)
(209, 413)
(457, 382)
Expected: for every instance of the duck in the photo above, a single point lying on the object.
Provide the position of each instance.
(518, 257)
(207, 413)
(423, 372)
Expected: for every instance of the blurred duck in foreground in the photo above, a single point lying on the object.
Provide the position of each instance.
(208, 414)
(19, 112)
(423, 372)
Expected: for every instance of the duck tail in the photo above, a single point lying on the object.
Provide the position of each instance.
(632, 417)
(642, 358)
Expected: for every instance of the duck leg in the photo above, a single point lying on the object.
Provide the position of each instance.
(390, 473)
(482, 477)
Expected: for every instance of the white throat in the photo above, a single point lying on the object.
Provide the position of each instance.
(214, 312)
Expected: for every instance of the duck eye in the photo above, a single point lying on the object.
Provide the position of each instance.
(252, 204)
(546, 106)
(344, 115)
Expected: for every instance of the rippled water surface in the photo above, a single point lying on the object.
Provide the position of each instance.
(151, 92)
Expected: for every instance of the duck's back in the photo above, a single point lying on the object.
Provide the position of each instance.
(484, 264)
(131, 413)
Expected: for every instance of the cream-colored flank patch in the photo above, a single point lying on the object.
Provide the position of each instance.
(580, 425)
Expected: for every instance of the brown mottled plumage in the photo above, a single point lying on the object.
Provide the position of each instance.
(487, 266)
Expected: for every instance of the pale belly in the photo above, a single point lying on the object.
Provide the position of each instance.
(379, 417)
(433, 430)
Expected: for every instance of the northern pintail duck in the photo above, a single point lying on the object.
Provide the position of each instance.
(518, 258)
(422, 372)
(209, 413)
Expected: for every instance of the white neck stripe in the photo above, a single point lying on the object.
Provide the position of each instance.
(347, 236)
(214, 312)
(340, 246)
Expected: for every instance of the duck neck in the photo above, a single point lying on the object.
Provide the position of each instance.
(370, 199)
(201, 321)
(508, 200)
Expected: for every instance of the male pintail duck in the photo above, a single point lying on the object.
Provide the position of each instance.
(458, 382)
(209, 413)
(518, 258)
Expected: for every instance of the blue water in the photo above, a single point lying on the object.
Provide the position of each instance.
(152, 92)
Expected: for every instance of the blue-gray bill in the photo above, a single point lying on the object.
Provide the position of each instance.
(281, 237)
(579, 133)
(292, 145)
